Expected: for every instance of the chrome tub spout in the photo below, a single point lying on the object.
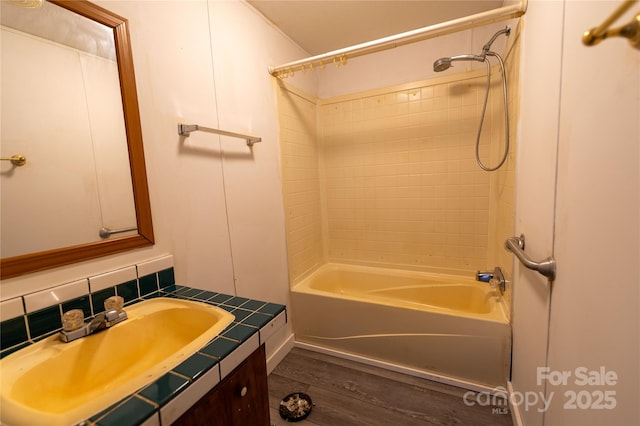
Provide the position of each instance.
(495, 278)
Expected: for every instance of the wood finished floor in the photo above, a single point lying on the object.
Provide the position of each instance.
(347, 393)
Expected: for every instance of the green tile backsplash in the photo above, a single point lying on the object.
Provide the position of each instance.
(98, 298)
(166, 278)
(148, 284)
(17, 331)
(13, 332)
(128, 291)
(44, 321)
(83, 303)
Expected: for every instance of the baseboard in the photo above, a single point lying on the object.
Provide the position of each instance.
(399, 369)
(514, 408)
(278, 354)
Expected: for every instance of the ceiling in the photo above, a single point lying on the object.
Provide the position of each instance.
(320, 26)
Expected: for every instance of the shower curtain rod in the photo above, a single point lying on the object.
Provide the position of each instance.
(340, 56)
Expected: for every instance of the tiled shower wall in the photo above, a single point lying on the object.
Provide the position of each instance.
(402, 187)
(390, 177)
(301, 181)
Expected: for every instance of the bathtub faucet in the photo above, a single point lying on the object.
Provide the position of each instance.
(495, 278)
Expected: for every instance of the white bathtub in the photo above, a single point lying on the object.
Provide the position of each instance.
(450, 327)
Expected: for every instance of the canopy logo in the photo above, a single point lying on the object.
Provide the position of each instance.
(584, 390)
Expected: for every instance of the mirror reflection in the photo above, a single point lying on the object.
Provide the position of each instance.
(63, 110)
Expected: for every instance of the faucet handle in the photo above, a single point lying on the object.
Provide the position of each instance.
(494, 279)
(497, 280)
(114, 303)
(72, 320)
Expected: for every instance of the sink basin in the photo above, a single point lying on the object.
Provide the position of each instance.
(51, 382)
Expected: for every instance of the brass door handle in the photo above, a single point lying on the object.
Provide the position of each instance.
(631, 30)
(16, 160)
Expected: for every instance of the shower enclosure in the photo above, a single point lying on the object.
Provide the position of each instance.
(387, 178)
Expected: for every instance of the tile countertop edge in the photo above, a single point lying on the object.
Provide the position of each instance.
(232, 351)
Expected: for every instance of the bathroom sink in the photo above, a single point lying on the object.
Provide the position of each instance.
(51, 382)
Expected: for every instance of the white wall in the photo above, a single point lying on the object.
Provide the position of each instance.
(216, 205)
(580, 107)
(596, 300)
(535, 182)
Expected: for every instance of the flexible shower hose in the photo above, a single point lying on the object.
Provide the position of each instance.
(484, 110)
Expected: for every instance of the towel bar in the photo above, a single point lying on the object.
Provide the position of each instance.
(186, 129)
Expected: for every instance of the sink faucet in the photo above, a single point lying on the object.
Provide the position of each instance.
(97, 323)
(74, 326)
(495, 278)
(103, 320)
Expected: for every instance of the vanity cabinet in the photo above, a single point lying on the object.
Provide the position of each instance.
(241, 399)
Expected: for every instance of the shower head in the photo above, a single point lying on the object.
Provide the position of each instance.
(443, 64)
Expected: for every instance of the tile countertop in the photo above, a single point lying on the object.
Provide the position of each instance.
(166, 399)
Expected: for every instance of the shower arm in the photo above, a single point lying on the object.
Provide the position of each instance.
(487, 46)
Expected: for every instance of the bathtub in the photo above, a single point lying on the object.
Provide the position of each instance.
(451, 328)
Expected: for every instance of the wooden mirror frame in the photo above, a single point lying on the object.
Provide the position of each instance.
(23, 264)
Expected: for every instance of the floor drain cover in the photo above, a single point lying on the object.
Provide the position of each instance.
(295, 407)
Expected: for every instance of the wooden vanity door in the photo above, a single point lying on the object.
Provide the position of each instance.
(241, 399)
(246, 392)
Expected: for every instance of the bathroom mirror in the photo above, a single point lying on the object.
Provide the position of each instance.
(70, 107)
